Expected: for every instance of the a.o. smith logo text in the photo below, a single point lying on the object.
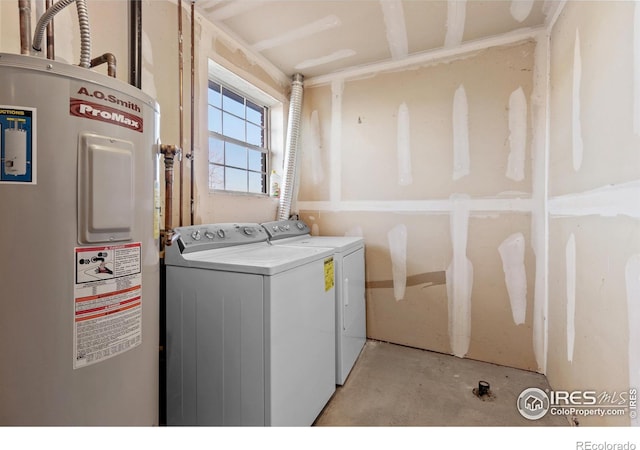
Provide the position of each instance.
(94, 111)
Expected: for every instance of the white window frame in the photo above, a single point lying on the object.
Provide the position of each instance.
(224, 77)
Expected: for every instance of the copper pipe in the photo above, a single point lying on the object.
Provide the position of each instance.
(51, 51)
(193, 101)
(109, 59)
(181, 104)
(24, 7)
(170, 152)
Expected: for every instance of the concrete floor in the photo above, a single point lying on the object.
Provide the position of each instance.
(392, 385)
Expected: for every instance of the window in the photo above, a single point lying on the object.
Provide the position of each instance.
(238, 141)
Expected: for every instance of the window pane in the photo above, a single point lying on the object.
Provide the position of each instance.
(233, 127)
(216, 151)
(255, 182)
(255, 113)
(236, 179)
(216, 177)
(256, 159)
(215, 119)
(215, 98)
(232, 102)
(236, 155)
(254, 135)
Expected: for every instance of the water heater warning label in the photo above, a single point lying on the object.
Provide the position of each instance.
(107, 302)
(17, 144)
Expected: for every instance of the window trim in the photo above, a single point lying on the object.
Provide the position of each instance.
(265, 150)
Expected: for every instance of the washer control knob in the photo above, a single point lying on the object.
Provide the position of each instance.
(209, 235)
(286, 227)
(196, 235)
(248, 231)
(282, 228)
(300, 225)
(275, 228)
(221, 233)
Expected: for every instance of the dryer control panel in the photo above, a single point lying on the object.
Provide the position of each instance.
(195, 238)
(281, 229)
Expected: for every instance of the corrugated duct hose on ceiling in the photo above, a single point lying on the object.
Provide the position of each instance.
(85, 33)
(291, 148)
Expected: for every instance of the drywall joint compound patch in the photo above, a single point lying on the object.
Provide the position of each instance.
(515, 276)
(520, 9)
(570, 258)
(517, 135)
(456, 18)
(459, 277)
(577, 143)
(317, 172)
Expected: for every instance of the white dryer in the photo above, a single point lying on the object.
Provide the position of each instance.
(250, 329)
(348, 252)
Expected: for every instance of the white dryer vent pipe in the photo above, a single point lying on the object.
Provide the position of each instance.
(291, 148)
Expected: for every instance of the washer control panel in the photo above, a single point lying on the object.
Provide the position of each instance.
(281, 229)
(195, 238)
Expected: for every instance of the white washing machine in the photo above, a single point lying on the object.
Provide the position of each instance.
(348, 252)
(250, 328)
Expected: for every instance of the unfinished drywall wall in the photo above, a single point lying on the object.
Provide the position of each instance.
(432, 165)
(594, 225)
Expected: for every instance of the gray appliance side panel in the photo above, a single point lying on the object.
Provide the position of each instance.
(352, 332)
(230, 349)
(181, 346)
(215, 361)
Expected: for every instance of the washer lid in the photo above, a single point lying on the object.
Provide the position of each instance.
(261, 258)
(339, 244)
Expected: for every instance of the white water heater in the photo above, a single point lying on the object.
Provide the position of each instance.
(79, 262)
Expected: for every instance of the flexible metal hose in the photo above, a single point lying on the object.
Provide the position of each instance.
(85, 34)
(291, 148)
(83, 18)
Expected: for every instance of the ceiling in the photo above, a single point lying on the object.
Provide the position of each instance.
(320, 37)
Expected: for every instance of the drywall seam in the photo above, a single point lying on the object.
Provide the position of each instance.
(576, 142)
(427, 57)
(517, 135)
(397, 238)
(404, 146)
(335, 190)
(315, 230)
(520, 9)
(515, 276)
(632, 278)
(570, 260)
(317, 171)
(315, 27)
(255, 58)
(461, 159)
(332, 57)
(552, 10)
(540, 124)
(636, 68)
(489, 205)
(607, 201)
(456, 17)
(233, 9)
(459, 276)
(395, 26)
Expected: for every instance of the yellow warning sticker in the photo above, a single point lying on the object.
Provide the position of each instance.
(328, 274)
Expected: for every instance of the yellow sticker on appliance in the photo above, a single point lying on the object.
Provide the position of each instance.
(329, 274)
